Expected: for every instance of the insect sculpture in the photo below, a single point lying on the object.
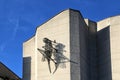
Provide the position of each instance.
(48, 51)
(52, 48)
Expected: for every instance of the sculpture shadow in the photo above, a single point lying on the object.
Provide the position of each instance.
(59, 56)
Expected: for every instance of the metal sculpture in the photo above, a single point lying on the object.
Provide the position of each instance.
(47, 52)
(52, 48)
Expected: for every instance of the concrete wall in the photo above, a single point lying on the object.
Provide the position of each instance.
(57, 29)
(104, 54)
(108, 48)
(69, 29)
(92, 53)
(29, 59)
(78, 46)
(84, 61)
(92, 50)
(103, 50)
(115, 46)
(83, 47)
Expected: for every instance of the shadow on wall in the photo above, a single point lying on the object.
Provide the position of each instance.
(27, 68)
(104, 54)
(59, 56)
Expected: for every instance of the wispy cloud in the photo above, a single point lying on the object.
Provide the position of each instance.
(15, 29)
(2, 47)
(15, 23)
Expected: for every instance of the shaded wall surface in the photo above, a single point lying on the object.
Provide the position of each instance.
(27, 68)
(92, 47)
(104, 54)
(78, 46)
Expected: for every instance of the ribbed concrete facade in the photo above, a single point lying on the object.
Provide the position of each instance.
(93, 46)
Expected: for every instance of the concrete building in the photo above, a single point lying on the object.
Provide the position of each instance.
(93, 46)
(7, 74)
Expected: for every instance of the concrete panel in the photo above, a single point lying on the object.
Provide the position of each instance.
(115, 46)
(103, 23)
(29, 59)
(92, 47)
(104, 54)
(57, 29)
(77, 28)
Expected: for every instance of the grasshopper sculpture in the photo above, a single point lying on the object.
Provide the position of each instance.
(48, 51)
(52, 48)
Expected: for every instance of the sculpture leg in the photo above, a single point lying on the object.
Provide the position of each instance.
(53, 60)
(56, 66)
(49, 66)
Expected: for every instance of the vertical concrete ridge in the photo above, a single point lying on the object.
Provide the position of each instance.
(78, 46)
(74, 45)
(92, 50)
(36, 56)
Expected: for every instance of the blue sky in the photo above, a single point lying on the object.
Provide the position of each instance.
(19, 19)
